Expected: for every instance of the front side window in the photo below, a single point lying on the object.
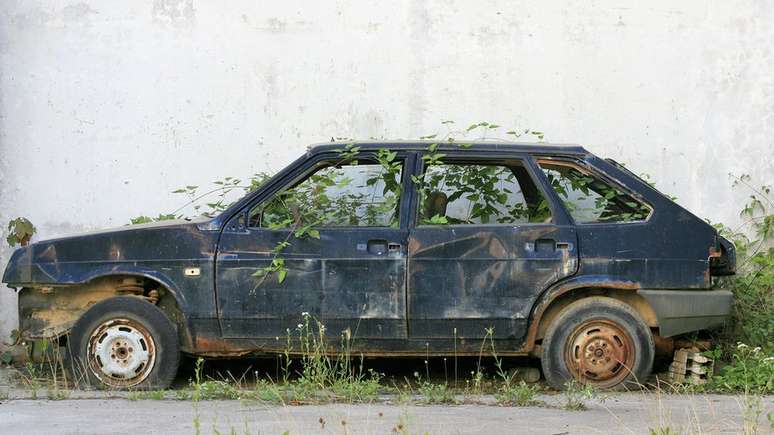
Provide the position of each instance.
(590, 199)
(352, 195)
(480, 193)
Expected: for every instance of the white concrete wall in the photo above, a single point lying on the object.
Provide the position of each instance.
(107, 106)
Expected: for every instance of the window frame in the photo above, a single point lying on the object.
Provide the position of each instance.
(309, 168)
(488, 160)
(587, 169)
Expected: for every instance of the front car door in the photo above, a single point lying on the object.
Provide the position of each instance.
(330, 242)
(484, 244)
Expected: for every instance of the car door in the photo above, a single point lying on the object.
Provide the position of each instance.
(484, 243)
(328, 243)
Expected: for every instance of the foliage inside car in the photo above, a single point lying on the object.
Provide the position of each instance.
(411, 248)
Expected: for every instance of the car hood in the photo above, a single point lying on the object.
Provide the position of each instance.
(125, 228)
(44, 261)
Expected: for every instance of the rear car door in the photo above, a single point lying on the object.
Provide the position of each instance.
(329, 243)
(485, 242)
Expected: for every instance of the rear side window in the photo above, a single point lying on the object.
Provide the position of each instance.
(480, 193)
(590, 199)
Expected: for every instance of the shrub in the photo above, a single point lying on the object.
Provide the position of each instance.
(751, 371)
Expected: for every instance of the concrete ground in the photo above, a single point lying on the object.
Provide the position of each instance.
(622, 413)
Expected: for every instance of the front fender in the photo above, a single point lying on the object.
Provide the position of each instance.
(31, 274)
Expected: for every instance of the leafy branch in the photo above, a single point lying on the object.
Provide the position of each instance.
(20, 231)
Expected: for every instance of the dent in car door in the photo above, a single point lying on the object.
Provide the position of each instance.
(473, 278)
(483, 273)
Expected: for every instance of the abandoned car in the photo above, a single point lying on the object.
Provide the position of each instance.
(406, 248)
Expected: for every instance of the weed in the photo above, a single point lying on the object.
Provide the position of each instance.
(48, 373)
(32, 379)
(324, 376)
(147, 395)
(753, 284)
(55, 393)
(155, 395)
(521, 394)
(751, 371)
(364, 388)
(510, 393)
(576, 394)
(182, 395)
(210, 389)
(214, 390)
(197, 422)
(435, 393)
(753, 409)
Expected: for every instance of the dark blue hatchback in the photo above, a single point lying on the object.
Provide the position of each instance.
(411, 248)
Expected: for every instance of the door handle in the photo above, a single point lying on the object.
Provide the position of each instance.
(382, 247)
(549, 245)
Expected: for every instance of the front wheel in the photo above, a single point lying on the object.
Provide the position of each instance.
(124, 342)
(600, 342)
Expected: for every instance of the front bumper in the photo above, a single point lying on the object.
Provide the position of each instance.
(681, 311)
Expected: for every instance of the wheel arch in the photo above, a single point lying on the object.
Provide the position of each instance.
(559, 296)
(50, 311)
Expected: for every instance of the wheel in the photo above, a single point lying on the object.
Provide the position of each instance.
(598, 341)
(124, 342)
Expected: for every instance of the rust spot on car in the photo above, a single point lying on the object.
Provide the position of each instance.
(219, 347)
(664, 346)
(50, 312)
(601, 352)
(552, 295)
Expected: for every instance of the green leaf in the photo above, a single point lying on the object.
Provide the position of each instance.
(314, 234)
(438, 220)
(6, 357)
(281, 275)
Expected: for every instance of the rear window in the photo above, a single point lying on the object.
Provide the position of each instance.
(590, 199)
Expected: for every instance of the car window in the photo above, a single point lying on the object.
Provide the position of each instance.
(589, 199)
(480, 193)
(365, 194)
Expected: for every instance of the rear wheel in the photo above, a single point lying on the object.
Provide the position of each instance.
(124, 342)
(598, 341)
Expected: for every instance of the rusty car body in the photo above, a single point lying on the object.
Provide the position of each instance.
(423, 285)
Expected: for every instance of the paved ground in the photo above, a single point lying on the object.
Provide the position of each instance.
(619, 414)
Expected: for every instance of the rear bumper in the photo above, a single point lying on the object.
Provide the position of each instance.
(681, 311)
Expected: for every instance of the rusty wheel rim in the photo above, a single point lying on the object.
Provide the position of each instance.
(121, 353)
(600, 353)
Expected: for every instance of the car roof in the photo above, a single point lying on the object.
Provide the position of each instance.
(476, 145)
